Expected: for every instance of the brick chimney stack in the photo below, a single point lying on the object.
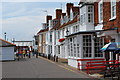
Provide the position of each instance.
(69, 6)
(58, 13)
(63, 14)
(75, 10)
(48, 17)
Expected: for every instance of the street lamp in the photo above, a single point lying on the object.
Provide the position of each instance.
(5, 35)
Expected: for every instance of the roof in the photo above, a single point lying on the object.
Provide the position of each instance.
(56, 26)
(70, 22)
(4, 43)
(43, 30)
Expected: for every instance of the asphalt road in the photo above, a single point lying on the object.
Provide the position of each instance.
(37, 68)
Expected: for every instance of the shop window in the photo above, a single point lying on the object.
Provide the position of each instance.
(87, 46)
(98, 44)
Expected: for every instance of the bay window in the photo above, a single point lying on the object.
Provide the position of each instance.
(90, 14)
(98, 44)
(87, 46)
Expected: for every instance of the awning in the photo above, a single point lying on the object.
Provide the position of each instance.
(61, 40)
(109, 47)
(112, 46)
(91, 32)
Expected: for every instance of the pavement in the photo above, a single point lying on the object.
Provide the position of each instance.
(39, 68)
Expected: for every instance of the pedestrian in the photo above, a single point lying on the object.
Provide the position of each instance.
(29, 53)
(23, 53)
(33, 52)
(36, 53)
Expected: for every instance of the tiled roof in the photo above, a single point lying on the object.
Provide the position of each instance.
(56, 26)
(6, 43)
(43, 30)
(70, 22)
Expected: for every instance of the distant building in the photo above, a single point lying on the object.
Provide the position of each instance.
(7, 50)
(23, 45)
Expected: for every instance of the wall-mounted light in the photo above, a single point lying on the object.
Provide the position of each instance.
(67, 31)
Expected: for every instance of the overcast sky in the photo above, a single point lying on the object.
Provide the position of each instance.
(22, 20)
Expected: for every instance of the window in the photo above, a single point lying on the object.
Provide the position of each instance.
(100, 6)
(71, 46)
(113, 8)
(81, 20)
(98, 44)
(51, 49)
(58, 49)
(78, 50)
(58, 34)
(68, 48)
(87, 46)
(75, 28)
(63, 32)
(90, 14)
(50, 36)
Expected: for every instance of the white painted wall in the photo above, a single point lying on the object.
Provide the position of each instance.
(72, 62)
(7, 53)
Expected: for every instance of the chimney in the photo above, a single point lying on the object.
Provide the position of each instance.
(48, 17)
(75, 10)
(69, 6)
(58, 13)
(63, 14)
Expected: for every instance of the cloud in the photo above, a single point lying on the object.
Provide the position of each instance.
(22, 28)
(22, 20)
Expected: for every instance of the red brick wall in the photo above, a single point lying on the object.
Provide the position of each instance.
(96, 13)
(107, 15)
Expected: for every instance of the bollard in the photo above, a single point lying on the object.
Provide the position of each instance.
(78, 66)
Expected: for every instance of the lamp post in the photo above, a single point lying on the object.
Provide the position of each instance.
(5, 35)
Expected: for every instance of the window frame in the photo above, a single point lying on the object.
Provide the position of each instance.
(100, 11)
(90, 10)
(113, 9)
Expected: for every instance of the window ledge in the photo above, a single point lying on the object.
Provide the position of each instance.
(113, 18)
(100, 22)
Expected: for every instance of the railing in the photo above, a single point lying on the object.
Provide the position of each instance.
(91, 60)
(95, 65)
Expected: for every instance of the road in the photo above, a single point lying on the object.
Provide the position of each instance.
(37, 68)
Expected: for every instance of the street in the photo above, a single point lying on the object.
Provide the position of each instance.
(37, 68)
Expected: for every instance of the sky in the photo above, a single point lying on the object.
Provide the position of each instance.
(22, 20)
